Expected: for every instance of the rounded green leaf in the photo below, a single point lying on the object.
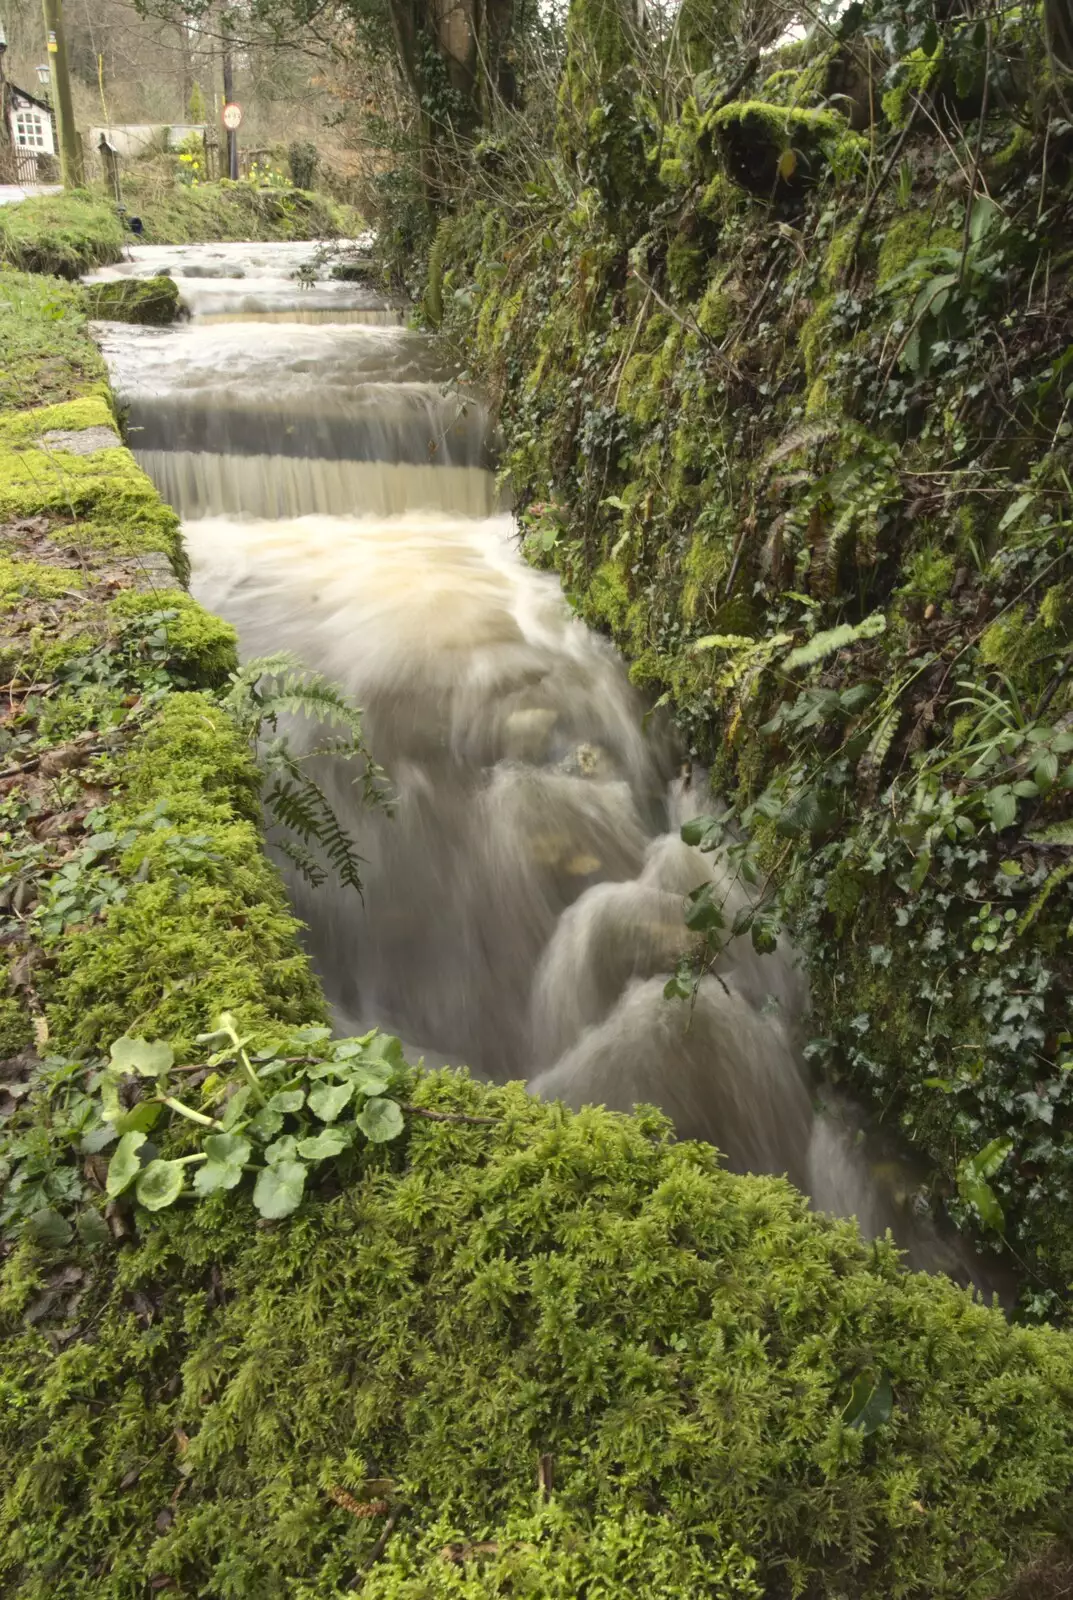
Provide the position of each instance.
(160, 1184)
(327, 1100)
(282, 1150)
(227, 1156)
(329, 1142)
(287, 1100)
(125, 1164)
(138, 1055)
(380, 1120)
(278, 1190)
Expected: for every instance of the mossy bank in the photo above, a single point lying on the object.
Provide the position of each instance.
(513, 1350)
(69, 234)
(785, 402)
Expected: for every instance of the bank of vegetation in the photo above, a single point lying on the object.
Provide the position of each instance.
(69, 234)
(284, 1315)
(779, 339)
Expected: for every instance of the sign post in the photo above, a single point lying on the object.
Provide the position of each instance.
(232, 120)
(70, 154)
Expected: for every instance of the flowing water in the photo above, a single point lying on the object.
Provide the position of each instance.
(524, 904)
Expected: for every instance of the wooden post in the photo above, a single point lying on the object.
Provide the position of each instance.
(232, 135)
(110, 161)
(70, 149)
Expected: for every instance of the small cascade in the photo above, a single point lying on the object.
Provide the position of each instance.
(524, 904)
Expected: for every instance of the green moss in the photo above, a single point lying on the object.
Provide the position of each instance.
(838, 254)
(182, 947)
(32, 580)
(143, 300)
(62, 234)
(1026, 650)
(69, 416)
(705, 563)
(686, 261)
(202, 648)
(114, 505)
(907, 239)
(16, 1031)
(680, 1341)
(917, 72)
(608, 598)
(929, 575)
(812, 338)
(45, 354)
(716, 311)
(768, 147)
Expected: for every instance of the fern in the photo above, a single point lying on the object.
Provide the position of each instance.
(825, 644)
(276, 686)
(1054, 879)
(1057, 833)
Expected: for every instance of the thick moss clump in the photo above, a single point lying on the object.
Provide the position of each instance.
(145, 300)
(684, 1345)
(772, 150)
(200, 930)
(61, 234)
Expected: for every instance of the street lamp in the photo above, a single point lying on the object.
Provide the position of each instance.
(44, 78)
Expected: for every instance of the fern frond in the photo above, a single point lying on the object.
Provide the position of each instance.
(1058, 876)
(304, 860)
(825, 644)
(1057, 833)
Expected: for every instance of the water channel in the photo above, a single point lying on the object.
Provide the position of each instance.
(523, 905)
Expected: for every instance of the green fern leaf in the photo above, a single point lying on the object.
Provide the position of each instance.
(825, 644)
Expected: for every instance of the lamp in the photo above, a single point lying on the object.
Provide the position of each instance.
(44, 75)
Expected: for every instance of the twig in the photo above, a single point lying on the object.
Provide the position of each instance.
(381, 1544)
(967, 234)
(870, 203)
(448, 1116)
(691, 325)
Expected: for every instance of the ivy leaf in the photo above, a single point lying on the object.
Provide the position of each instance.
(869, 1406)
(160, 1184)
(704, 832)
(124, 1165)
(138, 1055)
(322, 1146)
(380, 1120)
(327, 1100)
(227, 1155)
(278, 1190)
(704, 914)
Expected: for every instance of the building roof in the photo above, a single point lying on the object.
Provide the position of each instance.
(18, 95)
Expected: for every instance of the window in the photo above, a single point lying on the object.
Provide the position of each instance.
(30, 130)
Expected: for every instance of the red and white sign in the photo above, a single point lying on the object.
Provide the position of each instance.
(232, 116)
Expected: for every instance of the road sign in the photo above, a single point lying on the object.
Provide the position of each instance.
(232, 116)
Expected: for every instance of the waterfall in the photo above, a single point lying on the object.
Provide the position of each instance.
(524, 904)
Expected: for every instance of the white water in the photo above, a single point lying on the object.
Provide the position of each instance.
(524, 904)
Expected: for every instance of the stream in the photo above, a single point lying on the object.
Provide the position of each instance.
(523, 906)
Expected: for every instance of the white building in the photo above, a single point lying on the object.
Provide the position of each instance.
(30, 123)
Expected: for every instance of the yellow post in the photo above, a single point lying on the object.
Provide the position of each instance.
(70, 151)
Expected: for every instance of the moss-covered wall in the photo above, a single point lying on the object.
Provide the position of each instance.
(811, 382)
